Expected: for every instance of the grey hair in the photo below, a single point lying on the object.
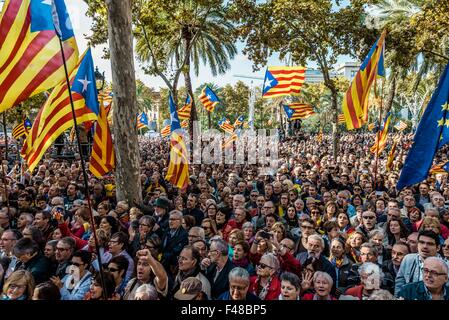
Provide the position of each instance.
(239, 273)
(375, 232)
(221, 245)
(78, 202)
(176, 213)
(28, 216)
(199, 230)
(247, 225)
(239, 196)
(318, 238)
(439, 261)
(57, 201)
(371, 247)
(273, 260)
(381, 294)
(369, 267)
(323, 275)
(148, 289)
(435, 210)
(299, 201)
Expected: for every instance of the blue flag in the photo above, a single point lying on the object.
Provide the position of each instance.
(85, 84)
(432, 133)
(289, 111)
(174, 120)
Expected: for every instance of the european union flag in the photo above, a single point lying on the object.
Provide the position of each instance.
(84, 83)
(432, 133)
(174, 120)
(289, 111)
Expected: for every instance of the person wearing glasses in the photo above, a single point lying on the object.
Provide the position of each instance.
(433, 285)
(19, 286)
(75, 284)
(238, 282)
(64, 251)
(146, 228)
(307, 228)
(28, 253)
(368, 224)
(266, 284)
(412, 264)
(117, 267)
(117, 247)
(174, 239)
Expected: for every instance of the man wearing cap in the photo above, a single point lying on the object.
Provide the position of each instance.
(191, 289)
(161, 206)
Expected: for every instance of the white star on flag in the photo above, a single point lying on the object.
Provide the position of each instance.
(85, 83)
(269, 84)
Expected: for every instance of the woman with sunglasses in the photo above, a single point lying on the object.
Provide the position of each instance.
(266, 284)
(117, 267)
(146, 228)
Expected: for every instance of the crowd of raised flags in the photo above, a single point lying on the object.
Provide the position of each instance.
(31, 62)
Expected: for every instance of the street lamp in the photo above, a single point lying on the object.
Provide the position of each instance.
(99, 79)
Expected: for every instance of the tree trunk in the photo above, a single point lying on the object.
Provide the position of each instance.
(209, 121)
(125, 102)
(187, 81)
(335, 135)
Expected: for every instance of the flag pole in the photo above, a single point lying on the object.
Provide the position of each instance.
(379, 135)
(83, 167)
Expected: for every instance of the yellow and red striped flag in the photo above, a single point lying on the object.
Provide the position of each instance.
(341, 118)
(283, 81)
(184, 112)
(22, 128)
(185, 124)
(381, 137)
(440, 168)
(296, 111)
(30, 53)
(401, 126)
(165, 131)
(209, 99)
(226, 126)
(55, 116)
(371, 126)
(389, 165)
(178, 167)
(319, 137)
(102, 158)
(355, 102)
(230, 141)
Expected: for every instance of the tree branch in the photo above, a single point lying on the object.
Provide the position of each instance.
(436, 54)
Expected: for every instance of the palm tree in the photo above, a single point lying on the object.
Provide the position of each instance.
(210, 42)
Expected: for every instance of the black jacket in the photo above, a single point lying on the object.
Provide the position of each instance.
(221, 284)
(163, 225)
(39, 266)
(196, 213)
(172, 247)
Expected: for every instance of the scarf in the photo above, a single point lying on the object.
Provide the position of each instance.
(181, 276)
(243, 263)
(337, 262)
(263, 290)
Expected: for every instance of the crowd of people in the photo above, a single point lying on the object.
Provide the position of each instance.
(318, 228)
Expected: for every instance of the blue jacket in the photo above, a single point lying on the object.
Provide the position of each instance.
(418, 291)
(79, 291)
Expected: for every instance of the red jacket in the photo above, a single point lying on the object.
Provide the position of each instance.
(273, 291)
(356, 291)
(231, 225)
(309, 296)
(65, 231)
(290, 264)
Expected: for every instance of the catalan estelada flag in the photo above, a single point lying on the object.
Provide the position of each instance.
(381, 136)
(296, 111)
(440, 168)
(102, 158)
(209, 99)
(239, 121)
(30, 52)
(184, 112)
(391, 156)
(55, 116)
(178, 167)
(22, 128)
(142, 121)
(355, 102)
(226, 126)
(165, 131)
(283, 81)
